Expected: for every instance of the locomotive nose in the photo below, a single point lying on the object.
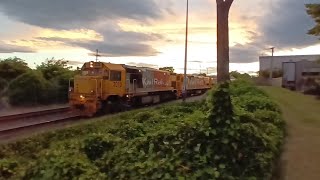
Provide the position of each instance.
(84, 96)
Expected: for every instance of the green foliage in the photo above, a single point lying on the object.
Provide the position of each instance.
(97, 144)
(221, 114)
(28, 88)
(49, 83)
(275, 73)
(7, 168)
(238, 75)
(236, 133)
(58, 74)
(170, 69)
(52, 68)
(11, 68)
(314, 11)
(3, 85)
(64, 165)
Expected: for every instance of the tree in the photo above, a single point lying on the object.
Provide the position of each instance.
(53, 68)
(170, 69)
(11, 68)
(58, 73)
(3, 83)
(223, 7)
(238, 75)
(28, 89)
(314, 11)
(266, 74)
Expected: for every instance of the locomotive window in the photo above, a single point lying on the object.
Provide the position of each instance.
(106, 75)
(92, 72)
(115, 75)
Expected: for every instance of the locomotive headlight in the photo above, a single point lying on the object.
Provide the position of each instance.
(81, 97)
(92, 91)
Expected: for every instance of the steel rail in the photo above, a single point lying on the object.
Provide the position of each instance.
(33, 114)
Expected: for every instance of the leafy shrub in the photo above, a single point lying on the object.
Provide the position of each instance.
(143, 116)
(236, 134)
(7, 168)
(62, 165)
(96, 145)
(130, 130)
(3, 84)
(28, 89)
(254, 103)
(11, 68)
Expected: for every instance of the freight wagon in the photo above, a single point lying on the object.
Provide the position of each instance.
(106, 87)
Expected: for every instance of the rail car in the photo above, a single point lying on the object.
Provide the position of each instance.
(107, 87)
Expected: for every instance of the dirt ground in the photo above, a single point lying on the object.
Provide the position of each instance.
(301, 156)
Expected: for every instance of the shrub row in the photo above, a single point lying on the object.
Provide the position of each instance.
(212, 139)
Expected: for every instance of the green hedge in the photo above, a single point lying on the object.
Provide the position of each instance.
(212, 139)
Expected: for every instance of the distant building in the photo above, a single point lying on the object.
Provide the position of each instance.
(300, 75)
(265, 61)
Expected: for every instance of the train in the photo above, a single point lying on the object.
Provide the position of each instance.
(107, 87)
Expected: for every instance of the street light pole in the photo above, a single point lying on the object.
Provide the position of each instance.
(271, 64)
(185, 57)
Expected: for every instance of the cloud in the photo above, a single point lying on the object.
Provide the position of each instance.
(119, 50)
(7, 48)
(142, 65)
(100, 16)
(116, 43)
(286, 24)
(71, 14)
(283, 24)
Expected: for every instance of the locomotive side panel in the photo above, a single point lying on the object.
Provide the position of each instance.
(154, 80)
(195, 82)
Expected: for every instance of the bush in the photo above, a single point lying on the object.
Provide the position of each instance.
(3, 84)
(97, 144)
(11, 68)
(29, 88)
(7, 168)
(237, 134)
(62, 165)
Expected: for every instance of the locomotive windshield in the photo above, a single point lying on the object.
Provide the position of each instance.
(96, 72)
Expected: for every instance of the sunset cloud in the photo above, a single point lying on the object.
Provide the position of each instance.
(8, 48)
(153, 31)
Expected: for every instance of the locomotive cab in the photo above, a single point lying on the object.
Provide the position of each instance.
(98, 84)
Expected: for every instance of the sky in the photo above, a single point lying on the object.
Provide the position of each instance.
(152, 32)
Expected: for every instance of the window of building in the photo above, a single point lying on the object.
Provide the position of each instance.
(115, 75)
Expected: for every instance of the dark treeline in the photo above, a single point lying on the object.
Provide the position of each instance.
(46, 84)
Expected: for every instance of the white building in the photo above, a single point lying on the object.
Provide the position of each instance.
(265, 61)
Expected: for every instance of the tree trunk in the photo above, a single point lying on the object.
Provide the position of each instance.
(223, 7)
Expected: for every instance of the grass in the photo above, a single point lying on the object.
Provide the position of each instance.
(300, 159)
(296, 106)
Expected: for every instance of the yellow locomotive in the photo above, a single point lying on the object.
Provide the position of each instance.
(108, 87)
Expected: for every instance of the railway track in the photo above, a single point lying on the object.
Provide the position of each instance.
(19, 124)
(32, 114)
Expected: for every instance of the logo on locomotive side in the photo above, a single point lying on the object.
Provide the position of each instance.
(195, 82)
(151, 82)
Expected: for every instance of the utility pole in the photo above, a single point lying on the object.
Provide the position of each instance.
(184, 92)
(97, 55)
(271, 64)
